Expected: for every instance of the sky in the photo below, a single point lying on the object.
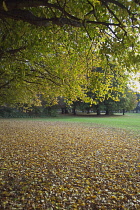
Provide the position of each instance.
(136, 83)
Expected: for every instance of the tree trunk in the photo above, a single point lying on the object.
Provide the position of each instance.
(107, 112)
(74, 111)
(98, 112)
(62, 110)
(88, 111)
(66, 111)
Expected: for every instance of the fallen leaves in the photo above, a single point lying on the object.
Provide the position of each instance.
(53, 165)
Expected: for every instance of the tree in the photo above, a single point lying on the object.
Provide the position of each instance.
(49, 47)
(138, 103)
(62, 105)
(127, 102)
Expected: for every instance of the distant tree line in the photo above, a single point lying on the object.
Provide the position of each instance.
(127, 102)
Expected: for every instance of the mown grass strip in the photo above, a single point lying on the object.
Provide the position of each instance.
(130, 121)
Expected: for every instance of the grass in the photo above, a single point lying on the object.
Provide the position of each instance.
(130, 121)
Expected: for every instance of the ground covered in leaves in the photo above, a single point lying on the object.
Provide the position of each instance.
(54, 165)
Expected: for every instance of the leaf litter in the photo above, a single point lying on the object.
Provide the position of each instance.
(57, 165)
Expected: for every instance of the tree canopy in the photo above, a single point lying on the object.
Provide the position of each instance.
(50, 47)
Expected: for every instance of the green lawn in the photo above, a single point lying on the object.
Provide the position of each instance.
(129, 121)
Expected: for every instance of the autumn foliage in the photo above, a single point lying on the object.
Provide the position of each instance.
(53, 165)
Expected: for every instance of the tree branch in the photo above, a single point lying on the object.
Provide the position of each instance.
(29, 17)
(20, 10)
(111, 12)
(13, 5)
(102, 23)
(13, 51)
(31, 82)
(15, 11)
(41, 75)
(116, 3)
(25, 16)
(6, 83)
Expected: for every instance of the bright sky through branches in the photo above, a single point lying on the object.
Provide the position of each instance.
(135, 83)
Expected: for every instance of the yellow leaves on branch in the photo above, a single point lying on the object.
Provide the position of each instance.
(53, 165)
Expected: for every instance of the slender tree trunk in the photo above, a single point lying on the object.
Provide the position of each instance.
(88, 111)
(74, 111)
(62, 110)
(66, 111)
(107, 112)
(98, 110)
